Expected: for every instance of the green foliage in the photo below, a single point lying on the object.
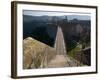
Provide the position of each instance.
(85, 41)
(71, 45)
(73, 51)
(40, 34)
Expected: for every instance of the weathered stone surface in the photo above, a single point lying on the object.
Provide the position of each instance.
(36, 53)
(32, 49)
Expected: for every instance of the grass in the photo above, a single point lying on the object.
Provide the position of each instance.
(72, 54)
(73, 51)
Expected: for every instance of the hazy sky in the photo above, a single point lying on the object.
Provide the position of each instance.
(81, 16)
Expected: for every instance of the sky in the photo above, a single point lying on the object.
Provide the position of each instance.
(70, 15)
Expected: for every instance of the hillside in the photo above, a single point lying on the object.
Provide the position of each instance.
(35, 53)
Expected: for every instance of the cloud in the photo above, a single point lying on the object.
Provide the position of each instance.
(70, 15)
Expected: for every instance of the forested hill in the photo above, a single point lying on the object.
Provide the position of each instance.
(44, 28)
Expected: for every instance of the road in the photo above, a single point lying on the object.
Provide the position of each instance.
(59, 43)
(61, 59)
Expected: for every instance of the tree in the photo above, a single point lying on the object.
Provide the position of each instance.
(41, 34)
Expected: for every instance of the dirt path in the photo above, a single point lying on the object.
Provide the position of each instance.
(58, 61)
(61, 59)
(59, 43)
